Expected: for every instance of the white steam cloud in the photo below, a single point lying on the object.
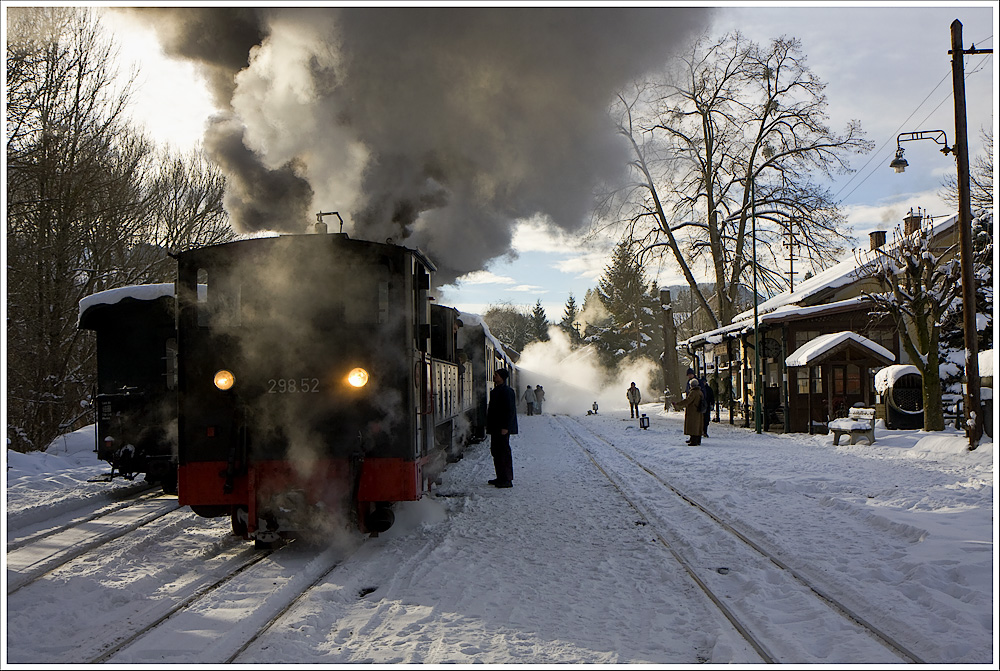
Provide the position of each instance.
(574, 378)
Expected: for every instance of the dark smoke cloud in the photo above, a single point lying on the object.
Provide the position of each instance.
(218, 38)
(256, 196)
(437, 127)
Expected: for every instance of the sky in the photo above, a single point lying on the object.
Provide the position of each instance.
(887, 66)
(563, 568)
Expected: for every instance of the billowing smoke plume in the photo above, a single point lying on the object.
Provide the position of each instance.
(436, 127)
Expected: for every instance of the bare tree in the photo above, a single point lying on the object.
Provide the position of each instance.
(726, 144)
(980, 178)
(511, 325)
(74, 172)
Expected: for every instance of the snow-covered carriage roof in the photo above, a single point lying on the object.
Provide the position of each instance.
(139, 292)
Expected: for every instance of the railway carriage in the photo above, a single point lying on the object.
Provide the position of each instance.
(136, 393)
(485, 355)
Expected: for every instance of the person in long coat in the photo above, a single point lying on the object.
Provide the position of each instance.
(693, 422)
(501, 424)
(529, 400)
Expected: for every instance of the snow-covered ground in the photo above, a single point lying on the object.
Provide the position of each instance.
(561, 568)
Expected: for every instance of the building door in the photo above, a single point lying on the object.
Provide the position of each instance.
(847, 388)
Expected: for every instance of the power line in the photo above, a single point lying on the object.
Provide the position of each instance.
(878, 152)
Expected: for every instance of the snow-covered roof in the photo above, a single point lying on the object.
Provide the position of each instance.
(786, 313)
(887, 377)
(139, 292)
(843, 274)
(826, 342)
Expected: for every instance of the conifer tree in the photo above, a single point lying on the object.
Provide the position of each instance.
(568, 323)
(539, 323)
(624, 293)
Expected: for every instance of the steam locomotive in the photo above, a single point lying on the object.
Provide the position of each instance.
(291, 383)
(318, 383)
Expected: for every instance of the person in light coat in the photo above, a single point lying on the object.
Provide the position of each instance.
(693, 422)
(634, 397)
(529, 400)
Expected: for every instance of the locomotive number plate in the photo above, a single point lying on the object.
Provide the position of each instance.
(291, 385)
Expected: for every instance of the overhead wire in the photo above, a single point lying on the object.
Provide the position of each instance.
(879, 151)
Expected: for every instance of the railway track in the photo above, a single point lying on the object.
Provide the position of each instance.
(132, 498)
(35, 557)
(216, 622)
(739, 575)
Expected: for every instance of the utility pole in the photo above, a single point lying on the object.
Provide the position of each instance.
(973, 404)
(792, 242)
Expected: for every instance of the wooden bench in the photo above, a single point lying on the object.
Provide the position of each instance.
(860, 423)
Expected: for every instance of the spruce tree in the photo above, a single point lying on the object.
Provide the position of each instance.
(624, 293)
(568, 323)
(539, 323)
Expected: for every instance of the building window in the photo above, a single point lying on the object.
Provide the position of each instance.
(802, 380)
(802, 337)
(839, 381)
(853, 380)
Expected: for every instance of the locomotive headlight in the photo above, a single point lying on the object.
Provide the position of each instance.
(357, 378)
(224, 380)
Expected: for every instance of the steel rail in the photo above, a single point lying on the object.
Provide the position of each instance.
(884, 638)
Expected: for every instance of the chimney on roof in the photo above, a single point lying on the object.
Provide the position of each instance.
(877, 238)
(911, 222)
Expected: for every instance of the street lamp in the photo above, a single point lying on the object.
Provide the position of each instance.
(973, 405)
(899, 163)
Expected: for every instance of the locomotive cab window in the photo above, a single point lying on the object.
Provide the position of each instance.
(218, 299)
(357, 295)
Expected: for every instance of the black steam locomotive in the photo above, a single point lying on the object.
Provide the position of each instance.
(136, 395)
(318, 383)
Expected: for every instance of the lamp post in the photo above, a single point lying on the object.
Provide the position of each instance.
(757, 419)
(973, 409)
(669, 349)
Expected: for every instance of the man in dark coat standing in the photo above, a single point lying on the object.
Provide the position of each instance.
(501, 424)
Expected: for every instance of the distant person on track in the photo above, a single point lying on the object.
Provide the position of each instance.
(692, 404)
(501, 423)
(529, 400)
(634, 397)
(539, 397)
